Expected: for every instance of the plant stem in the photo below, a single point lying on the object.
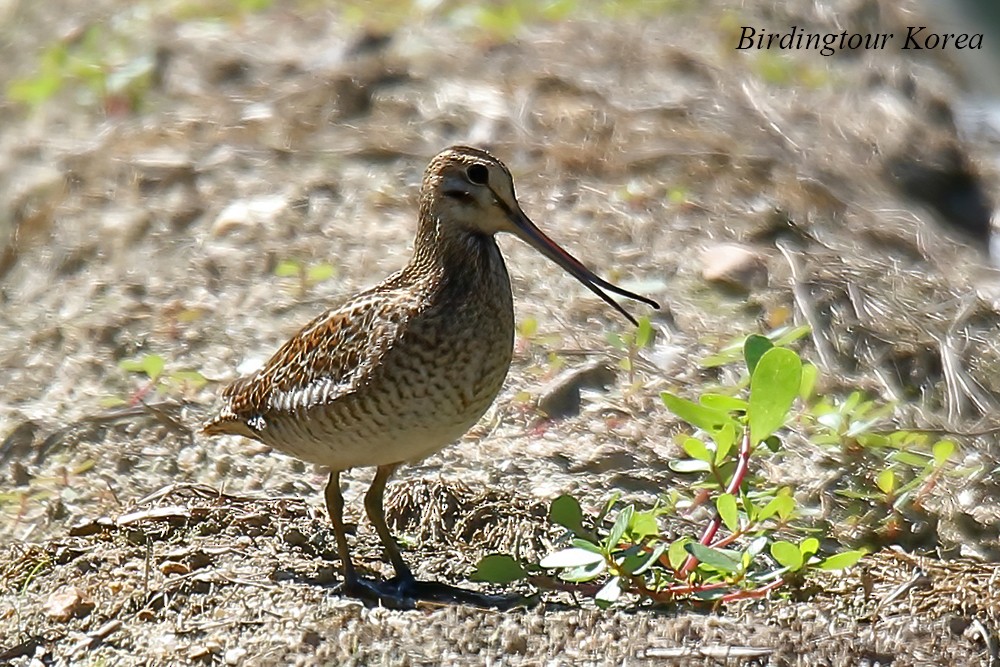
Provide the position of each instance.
(742, 466)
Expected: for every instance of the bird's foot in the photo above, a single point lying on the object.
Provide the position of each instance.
(440, 593)
(376, 593)
(404, 592)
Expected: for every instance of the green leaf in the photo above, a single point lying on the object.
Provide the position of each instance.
(807, 385)
(607, 506)
(716, 360)
(783, 504)
(786, 508)
(498, 569)
(152, 365)
(757, 547)
(843, 560)
(774, 385)
(912, 459)
(754, 348)
(609, 593)
(288, 268)
(131, 365)
(723, 560)
(751, 510)
(191, 378)
(726, 505)
(584, 572)
(886, 481)
(643, 524)
(684, 466)
(645, 333)
(677, 553)
(808, 548)
(851, 402)
(587, 545)
(784, 337)
(724, 438)
(618, 528)
(632, 558)
(696, 449)
(787, 554)
(572, 557)
(652, 558)
(699, 416)
(832, 420)
(112, 402)
(943, 449)
(317, 273)
(566, 511)
(723, 403)
(528, 327)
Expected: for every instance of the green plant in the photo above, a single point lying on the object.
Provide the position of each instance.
(158, 379)
(105, 66)
(307, 275)
(631, 343)
(757, 538)
(109, 62)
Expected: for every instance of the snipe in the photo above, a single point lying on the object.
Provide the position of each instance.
(408, 366)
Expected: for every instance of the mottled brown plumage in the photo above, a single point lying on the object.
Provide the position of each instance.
(405, 368)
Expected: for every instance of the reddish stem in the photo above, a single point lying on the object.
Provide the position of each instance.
(753, 594)
(140, 394)
(553, 584)
(742, 466)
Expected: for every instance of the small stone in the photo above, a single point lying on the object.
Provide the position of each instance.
(295, 538)
(67, 602)
(234, 656)
(561, 397)
(733, 265)
(173, 567)
(204, 651)
(256, 211)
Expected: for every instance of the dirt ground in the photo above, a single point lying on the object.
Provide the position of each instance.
(181, 158)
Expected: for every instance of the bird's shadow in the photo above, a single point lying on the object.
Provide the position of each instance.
(404, 594)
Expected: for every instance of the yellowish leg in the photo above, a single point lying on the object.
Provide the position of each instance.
(335, 506)
(376, 513)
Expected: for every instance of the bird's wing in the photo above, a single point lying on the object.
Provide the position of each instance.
(328, 358)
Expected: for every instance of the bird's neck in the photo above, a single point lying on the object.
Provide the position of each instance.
(458, 255)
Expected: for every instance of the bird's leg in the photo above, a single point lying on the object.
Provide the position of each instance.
(335, 506)
(404, 589)
(375, 508)
(353, 584)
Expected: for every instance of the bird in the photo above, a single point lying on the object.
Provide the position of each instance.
(407, 367)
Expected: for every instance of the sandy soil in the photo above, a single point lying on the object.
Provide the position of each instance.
(152, 219)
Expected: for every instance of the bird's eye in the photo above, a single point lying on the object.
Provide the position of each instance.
(478, 174)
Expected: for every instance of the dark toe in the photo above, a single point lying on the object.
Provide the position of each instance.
(432, 591)
(375, 593)
(403, 592)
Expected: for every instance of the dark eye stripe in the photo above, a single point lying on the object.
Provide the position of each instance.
(460, 195)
